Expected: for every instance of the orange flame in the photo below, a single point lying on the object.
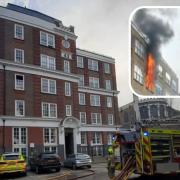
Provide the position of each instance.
(150, 72)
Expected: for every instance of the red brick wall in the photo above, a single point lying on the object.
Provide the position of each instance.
(33, 133)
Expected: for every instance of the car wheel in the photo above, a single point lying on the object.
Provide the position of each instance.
(37, 170)
(74, 167)
(89, 166)
(58, 169)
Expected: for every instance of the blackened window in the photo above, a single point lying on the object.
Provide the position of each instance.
(144, 112)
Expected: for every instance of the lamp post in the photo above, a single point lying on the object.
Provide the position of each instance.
(3, 136)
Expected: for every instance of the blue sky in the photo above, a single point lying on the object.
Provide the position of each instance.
(102, 26)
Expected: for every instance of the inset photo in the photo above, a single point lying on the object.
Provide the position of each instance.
(155, 47)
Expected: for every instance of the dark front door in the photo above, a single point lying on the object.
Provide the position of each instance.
(69, 143)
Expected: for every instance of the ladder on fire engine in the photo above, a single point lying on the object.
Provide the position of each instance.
(127, 170)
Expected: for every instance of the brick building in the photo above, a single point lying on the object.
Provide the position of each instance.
(164, 79)
(53, 96)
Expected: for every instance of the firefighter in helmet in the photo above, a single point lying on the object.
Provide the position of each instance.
(111, 163)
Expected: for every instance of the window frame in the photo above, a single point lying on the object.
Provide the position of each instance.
(48, 59)
(93, 100)
(70, 109)
(84, 98)
(47, 39)
(93, 81)
(93, 65)
(23, 103)
(15, 35)
(96, 118)
(108, 84)
(112, 119)
(109, 103)
(15, 53)
(80, 64)
(67, 89)
(49, 110)
(67, 68)
(107, 70)
(16, 82)
(48, 92)
(80, 117)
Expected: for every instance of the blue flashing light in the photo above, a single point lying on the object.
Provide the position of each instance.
(145, 133)
(113, 137)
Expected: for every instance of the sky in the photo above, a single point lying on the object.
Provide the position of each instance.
(103, 26)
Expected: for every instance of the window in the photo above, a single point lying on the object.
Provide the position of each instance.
(67, 89)
(19, 55)
(93, 65)
(96, 138)
(19, 31)
(48, 86)
(106, 68)
(80, 62)
(95, 100)
(174, 85)
(20, 140)
(66, 66)
(96, 118)
(168, 78)
(68, 110)
(110, 137)
(50, 139)
(108, 84)
(159, 90)
(93, 82)
(109, 101)
(48, 62)
(160, 70)
(82, 117)
(66, 55)
(81, 80)
(49, 110)
(138, 74)
(83, 138)
(139, 49)
(82, 100)
(19, 108)
(47, 39)
(110, 119)
(19, 82)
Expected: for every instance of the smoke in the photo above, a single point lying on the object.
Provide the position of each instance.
(158, 31)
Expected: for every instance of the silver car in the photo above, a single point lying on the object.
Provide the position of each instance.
(78, 160)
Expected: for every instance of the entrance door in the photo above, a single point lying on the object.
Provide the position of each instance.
(69, 142)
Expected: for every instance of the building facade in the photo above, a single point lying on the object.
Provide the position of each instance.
(160, 80)
(54, 97)
(154, 112)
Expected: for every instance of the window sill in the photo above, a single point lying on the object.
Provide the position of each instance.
(49, 93)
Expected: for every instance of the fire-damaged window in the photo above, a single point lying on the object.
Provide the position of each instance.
(174, 85)
(168, 78)
(159, 90)
(138, 75)
(144, 112)
(162, 111)
(160, 70)
(139, 49)
(154, 111)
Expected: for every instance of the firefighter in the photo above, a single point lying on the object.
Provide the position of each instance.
(111, 163)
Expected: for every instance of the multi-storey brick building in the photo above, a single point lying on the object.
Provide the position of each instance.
(53, 96)
(164, 80)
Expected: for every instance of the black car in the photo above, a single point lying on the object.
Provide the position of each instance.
(45, 161)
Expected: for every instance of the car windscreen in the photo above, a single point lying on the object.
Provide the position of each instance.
(82, 156)
(11, 157)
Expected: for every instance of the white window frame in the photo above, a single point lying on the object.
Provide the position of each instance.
(110, 121)
(16, 86)
(109, 101)
(108, 84)
(81, 77)
(50, 137)
(96, 119)
(174, 85)
(139, 49)
(93, 65)
(23, 103)
(96, 138)
(110, 138)
(47, 39)
(49, 89)
(66, 66)
(15, 53)
(82, 96)
(49, 110)
(85, 138)
(68, 108)
(138, 75)
(160, 70)
(107, 68)
(95, 100)
(67, 88)
(80, 117)
(48, 60)
(15, 35)
(94, 82)
(168, 78)
(80, 62)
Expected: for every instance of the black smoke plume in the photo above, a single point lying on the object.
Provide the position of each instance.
(158, 31)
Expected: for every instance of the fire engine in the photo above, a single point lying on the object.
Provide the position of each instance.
(148, 152)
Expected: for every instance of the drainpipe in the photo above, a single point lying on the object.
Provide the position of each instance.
(4, 108)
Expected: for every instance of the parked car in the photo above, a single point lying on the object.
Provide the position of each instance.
(12, 162)
(45, 161)
(78, 160)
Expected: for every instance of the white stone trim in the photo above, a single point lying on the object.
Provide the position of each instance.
(101, 128)
(93, 55)
(86, 89)
(37, 70)
(35, 22)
